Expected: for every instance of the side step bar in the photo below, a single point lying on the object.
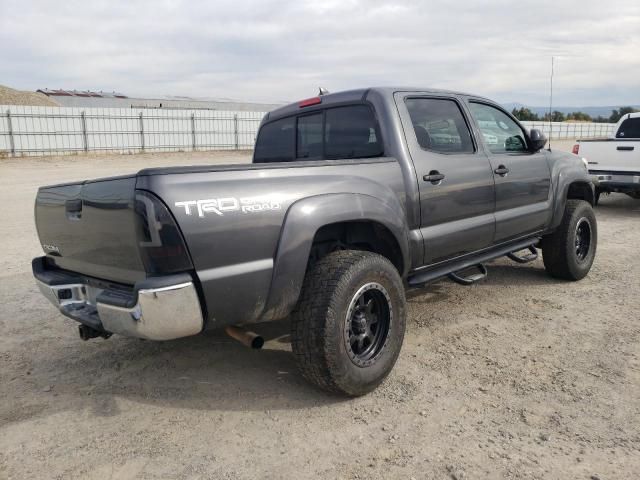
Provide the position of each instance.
(526, 258)
(471, 279)
(421, 277)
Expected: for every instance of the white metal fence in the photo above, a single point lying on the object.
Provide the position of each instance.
(28, 130)
(559, 130)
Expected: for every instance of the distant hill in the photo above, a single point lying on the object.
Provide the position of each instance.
(593, 112)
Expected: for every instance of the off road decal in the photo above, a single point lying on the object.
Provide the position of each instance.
(223, 205)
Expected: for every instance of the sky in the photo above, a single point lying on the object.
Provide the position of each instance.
(274, 51)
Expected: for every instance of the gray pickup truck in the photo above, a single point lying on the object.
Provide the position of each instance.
(351, 198)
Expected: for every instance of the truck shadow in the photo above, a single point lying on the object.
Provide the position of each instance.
(206, 372)
(617, 205)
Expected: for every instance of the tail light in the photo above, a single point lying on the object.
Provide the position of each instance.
(160, 242)
(576, 149)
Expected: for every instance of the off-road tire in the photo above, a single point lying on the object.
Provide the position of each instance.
(559, 249)
(318, 323)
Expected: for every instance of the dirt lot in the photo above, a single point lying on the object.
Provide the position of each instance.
(520, 376)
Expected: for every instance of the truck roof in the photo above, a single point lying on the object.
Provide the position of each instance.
(357, 95)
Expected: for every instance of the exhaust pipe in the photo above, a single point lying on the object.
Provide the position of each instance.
(245, 337)
(87, 333)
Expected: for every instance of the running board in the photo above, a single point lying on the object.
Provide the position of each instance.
(421, 277)
(525, 258)
(470, 279)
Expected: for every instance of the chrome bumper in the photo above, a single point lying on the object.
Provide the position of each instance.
(611, 178)
(159, 314)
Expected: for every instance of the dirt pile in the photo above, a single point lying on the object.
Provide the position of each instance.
(10, 96)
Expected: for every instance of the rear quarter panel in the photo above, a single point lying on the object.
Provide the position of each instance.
(233, 248)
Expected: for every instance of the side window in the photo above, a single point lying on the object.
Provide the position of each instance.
(439, 125)
(629, 128)
(350, 132)
(275, 141)
(309, 136)
(501, 134)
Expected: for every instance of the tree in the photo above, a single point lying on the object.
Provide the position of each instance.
(579, 116)
(616, 115)
(556, 116)
(524, 114)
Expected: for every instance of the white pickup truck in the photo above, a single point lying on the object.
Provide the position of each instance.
(614, 162)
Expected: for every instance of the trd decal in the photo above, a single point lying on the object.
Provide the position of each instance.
(223, 205)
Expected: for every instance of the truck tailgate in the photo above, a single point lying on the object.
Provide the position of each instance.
(90, 228)
(611, 154)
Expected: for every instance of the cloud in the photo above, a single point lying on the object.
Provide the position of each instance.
(273, 50)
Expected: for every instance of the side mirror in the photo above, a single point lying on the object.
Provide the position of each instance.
(537, 140)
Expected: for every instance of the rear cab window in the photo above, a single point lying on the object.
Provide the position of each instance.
(275, 141)
(345, 132)
(629, 128)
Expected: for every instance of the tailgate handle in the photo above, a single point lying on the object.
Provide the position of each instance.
(73, 209)
(625, 149)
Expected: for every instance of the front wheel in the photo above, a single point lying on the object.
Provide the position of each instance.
(569, 251)
(348, 326)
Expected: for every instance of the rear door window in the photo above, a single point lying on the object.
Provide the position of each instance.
(439, 125)
(275, 141)
(629, 128)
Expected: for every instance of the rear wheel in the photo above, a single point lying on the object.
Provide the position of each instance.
(568, 253)
(348, 326)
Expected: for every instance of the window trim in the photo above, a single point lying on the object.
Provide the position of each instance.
(526, 151)
(458, 103)
(322, 108)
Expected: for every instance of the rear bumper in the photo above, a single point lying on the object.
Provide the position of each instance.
(161, 308)
(615, 180)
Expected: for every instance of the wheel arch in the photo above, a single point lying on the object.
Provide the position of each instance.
(326, 218)
(572, 184)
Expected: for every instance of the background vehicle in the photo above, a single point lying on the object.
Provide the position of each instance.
(615, 162)
(351, 197)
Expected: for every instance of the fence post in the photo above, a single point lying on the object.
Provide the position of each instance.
(84, 131)
(141, 133)
(193, 131)
(12, 144)
(235, 128)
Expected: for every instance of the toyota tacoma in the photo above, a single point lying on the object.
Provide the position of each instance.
(351, 198)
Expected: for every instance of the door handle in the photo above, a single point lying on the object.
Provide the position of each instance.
(501, 170)
(434, 177)
(625, 149)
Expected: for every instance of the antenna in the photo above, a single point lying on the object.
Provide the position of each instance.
(551, 104)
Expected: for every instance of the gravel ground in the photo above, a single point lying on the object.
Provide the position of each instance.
(521, 376)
